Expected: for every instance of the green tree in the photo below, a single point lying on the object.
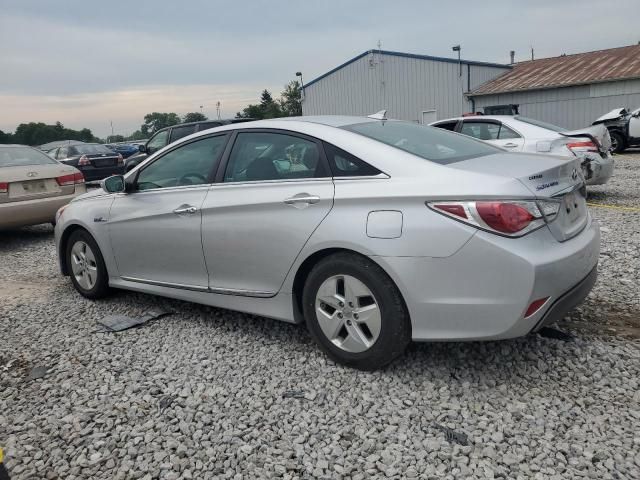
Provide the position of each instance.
(137, 135)
(156, 120)
(291, 100)
(194, 117)
(5, 137)
(38, 133)
(267, 108)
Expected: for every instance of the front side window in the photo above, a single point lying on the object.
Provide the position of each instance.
(157, 142)
(22, 156)
(260, 156)
(189, 164)
(433, 144)
(179, 132)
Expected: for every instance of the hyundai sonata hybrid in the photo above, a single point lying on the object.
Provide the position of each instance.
(373, 232)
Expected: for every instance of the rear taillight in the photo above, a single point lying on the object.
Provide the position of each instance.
(509, 218)
(84, 160)
(504, 217)
(70, 179)
(581, 147)
(4, 187)
(120, 159)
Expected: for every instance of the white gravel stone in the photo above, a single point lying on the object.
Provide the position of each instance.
(201, 393)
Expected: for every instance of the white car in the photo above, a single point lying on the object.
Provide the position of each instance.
(520, 134)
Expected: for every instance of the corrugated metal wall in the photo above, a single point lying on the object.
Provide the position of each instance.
(404, 86)
(570, 107)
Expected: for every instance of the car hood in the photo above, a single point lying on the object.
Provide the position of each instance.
(612, 115)
(542, 175)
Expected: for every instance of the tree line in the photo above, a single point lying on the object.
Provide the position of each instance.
(289, 104)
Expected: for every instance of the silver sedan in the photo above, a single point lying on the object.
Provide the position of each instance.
(373, 232)
(516, 133)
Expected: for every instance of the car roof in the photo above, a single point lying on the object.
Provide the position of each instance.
(329, 120)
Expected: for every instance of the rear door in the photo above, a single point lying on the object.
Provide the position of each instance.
(493, 132)
(274, 190)
(155, 230)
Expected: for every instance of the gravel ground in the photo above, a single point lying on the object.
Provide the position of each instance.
(208, 393)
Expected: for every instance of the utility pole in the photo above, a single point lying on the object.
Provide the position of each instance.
(457, 48)
(218, 109)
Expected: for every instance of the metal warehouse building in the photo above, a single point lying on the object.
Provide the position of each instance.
(410, 87)
(571, 90)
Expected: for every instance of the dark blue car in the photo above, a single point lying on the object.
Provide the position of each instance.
(125, 150)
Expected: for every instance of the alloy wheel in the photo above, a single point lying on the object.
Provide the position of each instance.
(348, 313)
(83, 265)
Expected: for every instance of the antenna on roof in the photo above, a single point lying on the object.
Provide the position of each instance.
(381, 115)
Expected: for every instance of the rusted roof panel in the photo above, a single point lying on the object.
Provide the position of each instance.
(579, 69)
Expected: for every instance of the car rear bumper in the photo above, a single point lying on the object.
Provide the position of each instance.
(483, 291)
(33, 212)
(602, 169)
(92, 173)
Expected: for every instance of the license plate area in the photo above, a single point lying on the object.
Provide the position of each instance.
(33, 188)
(104, 162)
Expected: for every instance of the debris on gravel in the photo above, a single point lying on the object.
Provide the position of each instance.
(209, 393)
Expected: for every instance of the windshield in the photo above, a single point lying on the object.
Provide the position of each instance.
(540, 124)
(19, 156)
(435, 144)
(89, 149)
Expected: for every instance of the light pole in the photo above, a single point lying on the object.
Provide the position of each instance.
(456, 48)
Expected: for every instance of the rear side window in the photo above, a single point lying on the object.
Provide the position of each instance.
(260, 156)
(481, 130)
(506, 133)
(179, 132)
(451, 126)
(343, 164)
(22, 156)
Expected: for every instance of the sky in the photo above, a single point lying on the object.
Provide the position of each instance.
(92, 63)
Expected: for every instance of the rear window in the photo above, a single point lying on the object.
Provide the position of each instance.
(89, 150)
(19, 156)
(434, 144)
(540, 124)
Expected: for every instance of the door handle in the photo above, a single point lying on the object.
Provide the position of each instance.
(189, 209)
(302, 198)
(510, 145)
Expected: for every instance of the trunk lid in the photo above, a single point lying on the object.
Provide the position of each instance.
(546, 177)
(35, 181)
(598, 134)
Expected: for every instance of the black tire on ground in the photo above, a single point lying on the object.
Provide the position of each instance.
(101, 287)
(395, 332)
(617, 141)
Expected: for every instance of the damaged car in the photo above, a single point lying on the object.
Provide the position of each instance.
(521, 134)
(623, 126)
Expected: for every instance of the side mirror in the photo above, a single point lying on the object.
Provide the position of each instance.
(113, 184)
(142, 148)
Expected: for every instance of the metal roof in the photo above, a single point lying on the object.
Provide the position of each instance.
(578, 69)
(406, 55)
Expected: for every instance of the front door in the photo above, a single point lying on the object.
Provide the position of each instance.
(275, 191)
(155, 230)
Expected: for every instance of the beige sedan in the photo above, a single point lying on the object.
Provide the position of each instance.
(33, 186)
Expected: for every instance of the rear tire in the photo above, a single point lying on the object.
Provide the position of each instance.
(86, 266)
(617, 142)
(355, 312)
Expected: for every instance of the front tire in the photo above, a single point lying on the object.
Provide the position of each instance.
(617, 142)
(355, 312)
(86, 266)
